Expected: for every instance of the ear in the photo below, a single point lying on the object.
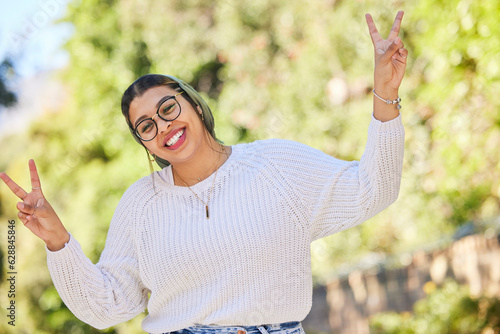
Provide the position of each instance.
(200, 112)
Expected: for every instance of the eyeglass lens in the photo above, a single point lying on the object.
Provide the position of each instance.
(168, 111)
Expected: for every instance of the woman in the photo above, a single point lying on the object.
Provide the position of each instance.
(220, 237)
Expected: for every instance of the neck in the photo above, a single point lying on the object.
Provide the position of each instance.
(192, 173)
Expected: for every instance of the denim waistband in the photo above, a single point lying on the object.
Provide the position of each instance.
(262, 329)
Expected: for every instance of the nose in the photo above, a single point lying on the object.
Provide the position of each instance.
(159, 121)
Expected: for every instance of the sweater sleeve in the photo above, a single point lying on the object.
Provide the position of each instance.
(109, 292)
(333, 195)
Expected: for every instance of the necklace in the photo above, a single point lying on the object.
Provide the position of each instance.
(212, 188)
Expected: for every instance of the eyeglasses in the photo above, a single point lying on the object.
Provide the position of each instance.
(169, 110)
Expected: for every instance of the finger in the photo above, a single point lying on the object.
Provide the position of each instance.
(399, 61)
(27, 208)
(403, 53)
(392, 49)
(24, 218)
(375, 36)
(35, 179)
(40, 209)
(398, 58)
(398, 42)
(396, 26)
(17, 190)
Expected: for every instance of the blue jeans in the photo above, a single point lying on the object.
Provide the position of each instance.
(294, 327)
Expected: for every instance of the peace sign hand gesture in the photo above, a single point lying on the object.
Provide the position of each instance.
(36, 213)
(390, 56)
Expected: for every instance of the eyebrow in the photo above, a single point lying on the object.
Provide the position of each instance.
(163, 99)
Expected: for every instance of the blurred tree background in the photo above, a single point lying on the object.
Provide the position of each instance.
(448, 309)
(301, 70)
(7, 97)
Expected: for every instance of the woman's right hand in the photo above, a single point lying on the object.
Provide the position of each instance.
(36, 213)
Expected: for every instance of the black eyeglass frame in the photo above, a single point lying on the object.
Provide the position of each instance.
(158, 113)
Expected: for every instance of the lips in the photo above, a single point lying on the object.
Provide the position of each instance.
(175, 139)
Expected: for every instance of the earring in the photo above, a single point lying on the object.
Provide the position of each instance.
(154, 157)
(202, 118)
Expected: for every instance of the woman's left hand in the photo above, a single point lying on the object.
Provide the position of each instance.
(390, 56)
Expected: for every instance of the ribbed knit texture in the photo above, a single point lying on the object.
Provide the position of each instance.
(249, 264)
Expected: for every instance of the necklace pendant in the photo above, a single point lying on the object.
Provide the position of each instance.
(206, 209)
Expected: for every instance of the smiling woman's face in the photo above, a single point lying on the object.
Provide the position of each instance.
(177, 141)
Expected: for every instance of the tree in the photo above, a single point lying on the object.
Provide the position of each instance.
(300, 70)
(448, 309)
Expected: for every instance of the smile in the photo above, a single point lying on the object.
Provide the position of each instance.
(172, 141)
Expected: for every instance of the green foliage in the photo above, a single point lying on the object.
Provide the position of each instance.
(459, 75)
(268, 68)
(449, 309)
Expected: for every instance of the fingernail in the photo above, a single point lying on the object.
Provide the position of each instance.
(396, 41)
(21, 205)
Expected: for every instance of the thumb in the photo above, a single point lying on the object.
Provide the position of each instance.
(40, 209)
(392, 49)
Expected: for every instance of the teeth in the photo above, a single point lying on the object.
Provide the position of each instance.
(175, 138)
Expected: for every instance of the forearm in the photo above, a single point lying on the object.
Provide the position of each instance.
(343, 194)
(92, 292)
(381, 165)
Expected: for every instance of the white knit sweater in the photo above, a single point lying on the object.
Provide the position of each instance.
(249, 264)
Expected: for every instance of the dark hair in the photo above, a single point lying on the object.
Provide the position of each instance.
(141, 85)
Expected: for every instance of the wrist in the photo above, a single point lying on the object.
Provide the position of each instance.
(57, 243)
(385, 108)
(387, 93)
